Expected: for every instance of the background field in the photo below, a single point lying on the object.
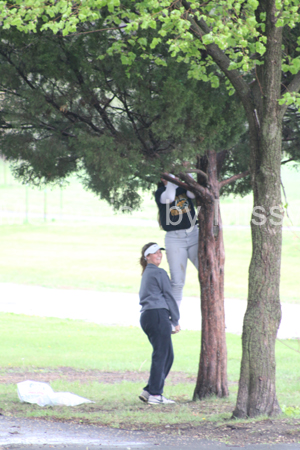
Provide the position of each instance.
(105, 258)
(19, 203)
(69, 238)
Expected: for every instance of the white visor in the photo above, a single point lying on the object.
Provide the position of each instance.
(152, 249)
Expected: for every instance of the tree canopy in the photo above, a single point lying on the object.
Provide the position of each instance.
(195, 30)
(65, 111)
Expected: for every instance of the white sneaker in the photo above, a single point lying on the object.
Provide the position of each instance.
(144, 396)
(159, 400)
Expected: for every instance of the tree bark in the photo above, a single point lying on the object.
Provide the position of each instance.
(257, 391)
(212, 373)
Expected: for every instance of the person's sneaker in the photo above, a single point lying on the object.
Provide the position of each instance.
(144, 396)
(159, 400)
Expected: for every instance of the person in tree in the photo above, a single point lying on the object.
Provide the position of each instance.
(178, 218)
(159, 311)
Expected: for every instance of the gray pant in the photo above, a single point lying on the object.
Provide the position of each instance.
(181, 245)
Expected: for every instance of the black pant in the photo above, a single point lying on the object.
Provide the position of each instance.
(157, 326)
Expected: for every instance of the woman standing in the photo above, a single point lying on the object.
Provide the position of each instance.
(177, 217)
(159, 311)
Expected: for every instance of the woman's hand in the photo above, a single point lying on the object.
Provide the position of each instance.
(177, 329)
(165, 181)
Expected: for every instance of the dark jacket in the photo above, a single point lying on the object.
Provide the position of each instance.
(177, 215)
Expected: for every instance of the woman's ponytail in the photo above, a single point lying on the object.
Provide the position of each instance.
(143, 260)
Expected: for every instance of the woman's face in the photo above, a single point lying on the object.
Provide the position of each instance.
(155, 258)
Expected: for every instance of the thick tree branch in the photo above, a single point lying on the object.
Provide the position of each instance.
(199, 172)
(176, 181)
(294, 86)
(234, 178)
(193, 186)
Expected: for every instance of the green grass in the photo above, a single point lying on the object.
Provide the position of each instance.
(43, 344)
(33, 343)
(105, 258)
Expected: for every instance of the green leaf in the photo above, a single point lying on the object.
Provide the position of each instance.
(152, 24)
(112, 4)
(207, 39)
(254, 4)
(128, 59)
(160, 62)
(155, 42)
(295, 66)
(215, 82)
(260, 48)
(16, 22)
(142, 41)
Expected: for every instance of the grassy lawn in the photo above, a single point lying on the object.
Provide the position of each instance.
(105, 258)
(43, 345)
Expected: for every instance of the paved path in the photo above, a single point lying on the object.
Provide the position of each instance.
(109, 308)
(33, 434)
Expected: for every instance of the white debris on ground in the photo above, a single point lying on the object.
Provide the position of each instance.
(42, 394)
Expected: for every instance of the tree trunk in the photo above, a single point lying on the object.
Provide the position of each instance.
(257, 392)
(212, 374)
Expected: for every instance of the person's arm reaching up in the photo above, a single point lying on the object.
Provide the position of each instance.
(168, 196)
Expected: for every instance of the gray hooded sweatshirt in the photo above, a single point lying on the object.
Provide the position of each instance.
(156, 292)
